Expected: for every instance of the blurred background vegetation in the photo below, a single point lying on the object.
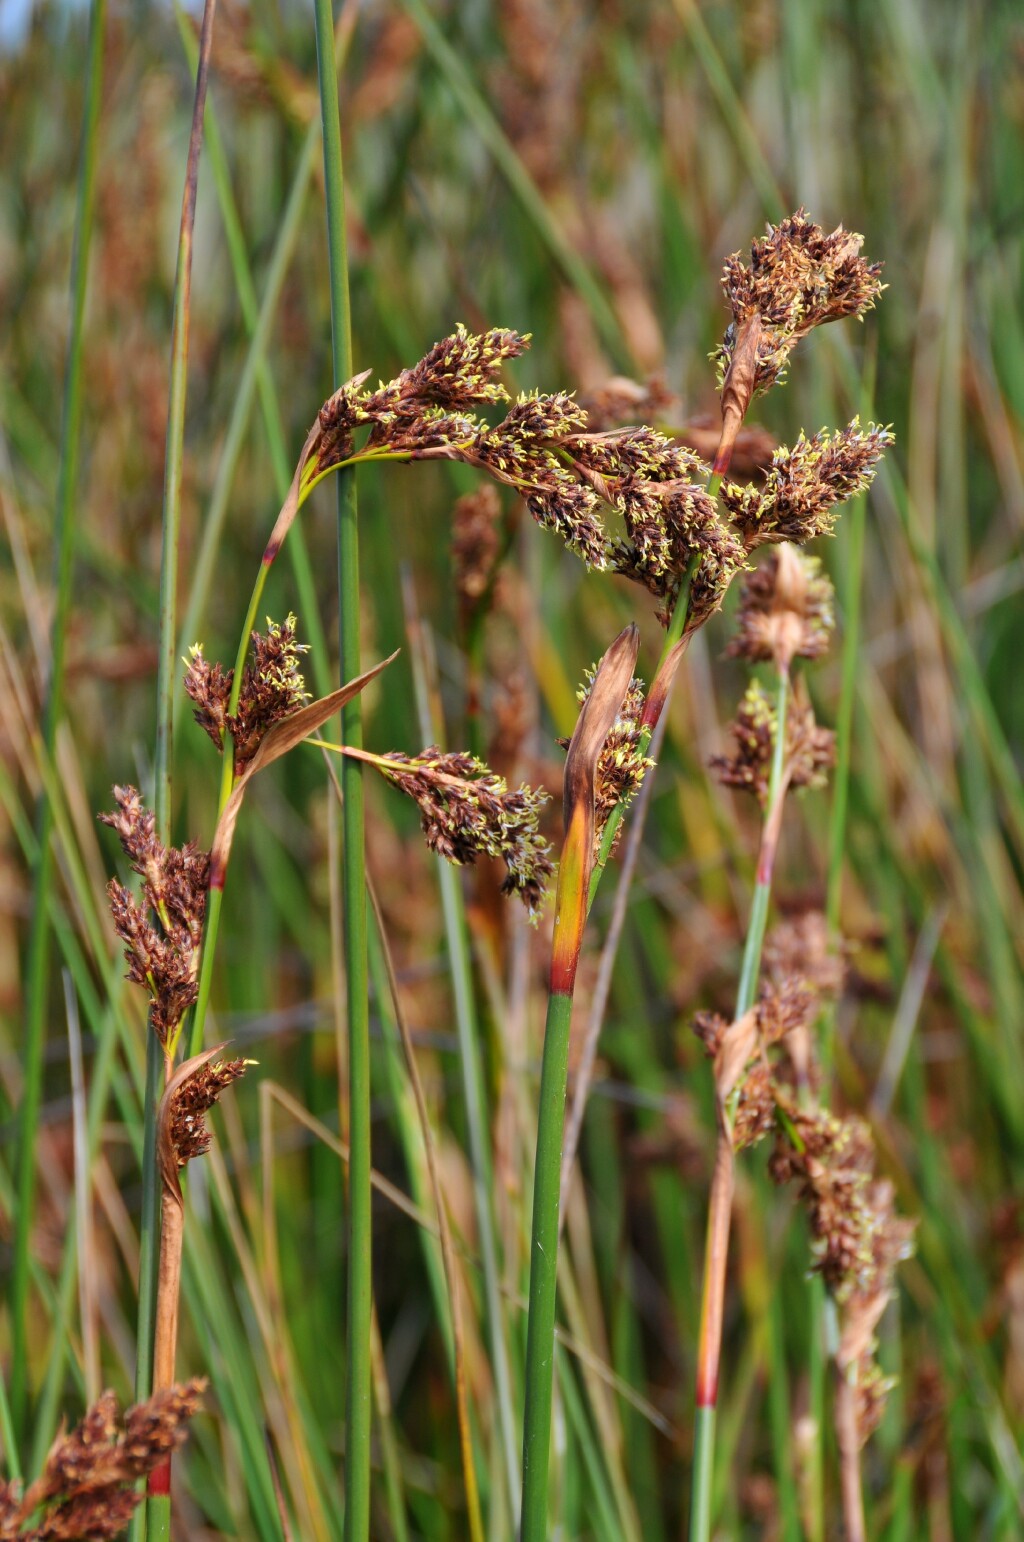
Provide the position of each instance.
(577, 171)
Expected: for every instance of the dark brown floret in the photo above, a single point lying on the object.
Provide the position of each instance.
(798, 278)
(161, 937)
(191, 1103)
(86, 1492)
(785, 610)
(805, 485)
(467, 811)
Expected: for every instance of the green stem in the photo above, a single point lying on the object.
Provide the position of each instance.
(470, 1061)
(540, 1341)
(704, 1421)
(720, 1210)
(155, 1516)
(751, 966)
(37, 967)
(358, 1390)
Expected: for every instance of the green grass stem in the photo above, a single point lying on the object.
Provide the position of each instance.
(65, 522)
(701, 1498)
(540, 1336)
(154, 1519)
(358, 1378)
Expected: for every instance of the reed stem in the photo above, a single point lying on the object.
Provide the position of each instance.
(540, 1340)
(358, 1369)
(154, 1518)
(37, 964)
(716, 1251)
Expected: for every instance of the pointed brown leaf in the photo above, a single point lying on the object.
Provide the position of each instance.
(167, 1161)
(283, 737)
(600, 710)
(595, 721)
(290, 506)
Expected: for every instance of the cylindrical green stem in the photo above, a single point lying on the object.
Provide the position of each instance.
(703, 1468)
(37, 967)
(720, 1206)
(157, 1517)
(358, 1388)
(540, 1341)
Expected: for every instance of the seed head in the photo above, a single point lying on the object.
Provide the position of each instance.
(785, 611)
(810, 750)
(798, 278)
(467, 811)
(621, 765)
(803, 487)
(192, 1100)
(87, 1488)
(161, 936)
(272, 688)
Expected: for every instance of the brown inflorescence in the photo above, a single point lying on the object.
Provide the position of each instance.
(162, 936)
(272, 689)
(786, 610)
(87, 1488)
(796, 502)
(467, 811)
(857, 1237)
(798, 278)
(622, 764)
(545, 449)
(192, 1101)
(810, 749)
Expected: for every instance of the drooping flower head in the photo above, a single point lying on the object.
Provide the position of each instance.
(467, 811)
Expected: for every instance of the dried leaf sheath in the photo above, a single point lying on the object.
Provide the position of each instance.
(592, 728)
(181, 1135)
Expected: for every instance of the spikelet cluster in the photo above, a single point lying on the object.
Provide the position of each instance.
(857, 1238)
(798, 278)
(161, 935)
(786, 610)
(622, 763)
(272, 689)
(571, 478)
(467, 811)
(805, 485)
(88, 1486)
(192, 1100)
(809, 752)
